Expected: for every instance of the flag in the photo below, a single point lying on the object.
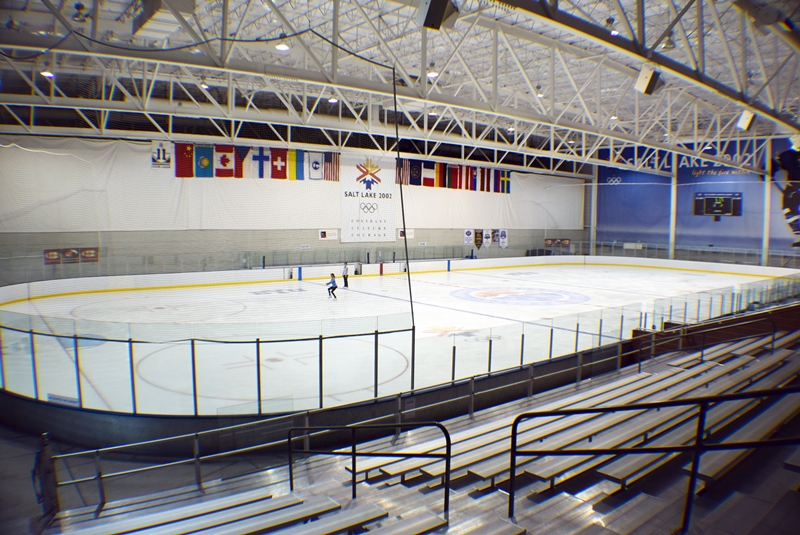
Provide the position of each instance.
(279, 159)
(505, 182)
(184, 160)
(486, 179)
(331, 167)
(316, 161)
(204, 161)
(503, 238)
(296, 170)
(478, 237)
(470, 181)
(261, 159)
(428, 174)
(402, 171)
(496, 181)
(441, 175)
(415, 172)
(487, 237)
(229, 161)
(453, 176)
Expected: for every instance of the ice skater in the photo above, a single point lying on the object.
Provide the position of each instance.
(332, 289)
(344, 274)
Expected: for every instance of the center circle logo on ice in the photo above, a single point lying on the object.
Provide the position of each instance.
(520, 296)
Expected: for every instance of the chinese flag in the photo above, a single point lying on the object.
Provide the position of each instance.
(184, 160)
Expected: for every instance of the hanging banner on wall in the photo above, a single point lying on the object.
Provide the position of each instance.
(503, 234)
(487, 238)
(467, 237)
(478, 238)
(367, 189)
(161, 155)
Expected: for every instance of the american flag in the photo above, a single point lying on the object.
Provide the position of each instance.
(330, 169)
(403, 171)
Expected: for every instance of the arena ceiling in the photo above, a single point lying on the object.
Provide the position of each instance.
(527, 84)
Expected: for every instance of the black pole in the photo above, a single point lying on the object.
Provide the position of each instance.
(194, 378)
(258, 374)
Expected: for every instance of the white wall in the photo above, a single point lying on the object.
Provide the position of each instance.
(73, 185)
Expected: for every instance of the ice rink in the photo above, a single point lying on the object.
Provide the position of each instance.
(557, 307)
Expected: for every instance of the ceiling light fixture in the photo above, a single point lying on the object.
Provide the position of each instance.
(47, 74)
(203, 84)
(432, 113)
(283, 47)
(539, 93)
(669, 44)
(80, 13)
(613, 117)
(432, 74)
(333, 99)
(510, 129)
(610, 26)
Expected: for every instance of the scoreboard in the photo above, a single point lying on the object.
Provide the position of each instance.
(718, 204)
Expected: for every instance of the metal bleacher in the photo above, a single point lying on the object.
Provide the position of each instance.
(562, 492)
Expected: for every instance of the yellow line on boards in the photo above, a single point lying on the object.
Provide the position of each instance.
(397, 273)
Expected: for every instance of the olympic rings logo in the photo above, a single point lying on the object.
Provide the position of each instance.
(369, 207)
(614, 180)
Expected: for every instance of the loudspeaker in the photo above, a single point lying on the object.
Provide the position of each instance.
(434, 14)
(649, 81)
(745, 120)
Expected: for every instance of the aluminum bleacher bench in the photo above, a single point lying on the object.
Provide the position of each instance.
(686, 381)
(715, 464)
(341, 521)
(463, 447)
(273, 520)
(415, 524)
(637, 428)
(243, 503)
(631, 468)
(793, 462)
(394, 466)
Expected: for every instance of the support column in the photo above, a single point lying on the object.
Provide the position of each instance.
(673, 206)
(765, 232)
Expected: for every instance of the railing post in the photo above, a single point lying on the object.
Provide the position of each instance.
(453, 365)
(353, 459)
(698, 452)
(471, 396)
(619, 355)
(398, 413)
(489, 370)
(258, 375)
(133, 374)
(551, 343)
(33, 365)
(622, 325)
(578, 367)
(577, 334)
(413, 354)
(376, 364)
(600, 333)
(194, 378)
(531, 373)
(512, 474)
(306, 437)
(320, 372)
(521, 349)
(77, 369)
(47, 478)
(652, 345)
(198, 473)
(101, 488)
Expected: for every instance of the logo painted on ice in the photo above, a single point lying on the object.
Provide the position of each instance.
(520, 296)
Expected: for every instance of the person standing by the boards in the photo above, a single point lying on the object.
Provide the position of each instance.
(344, 274)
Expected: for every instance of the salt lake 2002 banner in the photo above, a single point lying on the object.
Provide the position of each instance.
(368, 191)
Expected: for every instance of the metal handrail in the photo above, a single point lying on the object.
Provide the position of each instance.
(100, 477)
(698, 447)
(353, 454)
